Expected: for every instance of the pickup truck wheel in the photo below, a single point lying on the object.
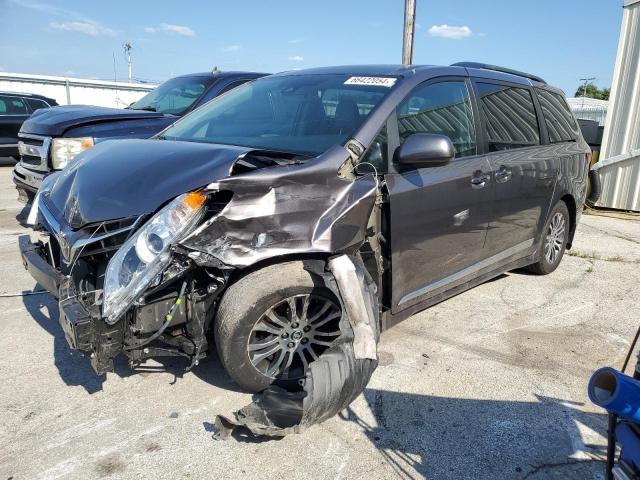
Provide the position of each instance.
(554, 241)
(273, 323)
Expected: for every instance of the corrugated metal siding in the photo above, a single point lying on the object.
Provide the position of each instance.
(620, 169)
(589, 108)
(620, 178)
(75, 90)
(622, 130)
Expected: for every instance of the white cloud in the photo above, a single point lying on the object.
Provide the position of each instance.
(230, 48)
(92, 29)
(70, 20)
(296, 41)
(450, 31)
(295, 58)
(171, 29)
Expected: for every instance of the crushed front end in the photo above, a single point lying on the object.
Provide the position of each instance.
(168, 315)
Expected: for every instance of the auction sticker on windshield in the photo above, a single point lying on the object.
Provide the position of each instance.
(376, 81)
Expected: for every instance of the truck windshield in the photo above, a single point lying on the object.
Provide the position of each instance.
(304, 114)
(175, 96)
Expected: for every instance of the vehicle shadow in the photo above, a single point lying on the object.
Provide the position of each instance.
(23, 214)
(75, 369)
(451, 438)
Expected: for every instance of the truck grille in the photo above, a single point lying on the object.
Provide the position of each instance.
(34, 151)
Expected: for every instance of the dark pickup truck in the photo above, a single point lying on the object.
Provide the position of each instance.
(50, 138)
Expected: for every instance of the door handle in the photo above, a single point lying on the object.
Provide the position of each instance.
(479, 179)
(503, 174)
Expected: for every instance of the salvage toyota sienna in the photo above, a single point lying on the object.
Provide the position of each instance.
(308, 210)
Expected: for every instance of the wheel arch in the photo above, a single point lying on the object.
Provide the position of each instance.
(267, 262)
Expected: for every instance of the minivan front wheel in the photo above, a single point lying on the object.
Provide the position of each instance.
(272, 323)
(554, 241)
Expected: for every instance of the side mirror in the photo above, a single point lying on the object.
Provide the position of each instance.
(424, 150)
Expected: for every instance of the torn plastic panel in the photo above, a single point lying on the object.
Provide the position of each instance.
(339, 374)
(286, 210)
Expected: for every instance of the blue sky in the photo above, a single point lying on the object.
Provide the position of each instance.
(560, 40)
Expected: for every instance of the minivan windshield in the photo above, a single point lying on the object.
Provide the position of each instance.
(303, 114)
(175, 96)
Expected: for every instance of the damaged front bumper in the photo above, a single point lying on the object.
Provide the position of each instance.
(85, 328)
(82, 330)
(36, 261)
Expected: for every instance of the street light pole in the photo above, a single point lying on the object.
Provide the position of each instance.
(127, 51)
(409, 27)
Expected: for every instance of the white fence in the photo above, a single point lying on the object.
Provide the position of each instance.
(76, 91)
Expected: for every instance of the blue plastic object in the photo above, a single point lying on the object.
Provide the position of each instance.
(629, 444)
(617, 392)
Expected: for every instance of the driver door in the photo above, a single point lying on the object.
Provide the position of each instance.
(439, 215)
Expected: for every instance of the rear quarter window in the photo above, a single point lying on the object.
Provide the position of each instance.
(561, 126)
(509, 116)
(35, 104)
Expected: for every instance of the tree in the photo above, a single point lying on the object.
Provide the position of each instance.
(593, 92)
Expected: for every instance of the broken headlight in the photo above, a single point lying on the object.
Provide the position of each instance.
(146, 253)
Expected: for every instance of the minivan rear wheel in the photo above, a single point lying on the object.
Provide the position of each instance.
(272, 323)
(555, 236)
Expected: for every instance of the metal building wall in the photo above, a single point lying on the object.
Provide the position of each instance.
(589, 108)
(620, 165)
(75, 90)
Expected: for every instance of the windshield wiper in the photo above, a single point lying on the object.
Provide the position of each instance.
(147, 109)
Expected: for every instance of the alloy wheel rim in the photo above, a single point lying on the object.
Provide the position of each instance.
(554, 240)
(293, 333)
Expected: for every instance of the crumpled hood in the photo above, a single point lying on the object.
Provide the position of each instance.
(56, 120)
(127, 178)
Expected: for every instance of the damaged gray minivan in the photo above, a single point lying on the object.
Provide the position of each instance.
(295, 217)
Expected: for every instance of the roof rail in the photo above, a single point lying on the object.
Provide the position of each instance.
(510, 71)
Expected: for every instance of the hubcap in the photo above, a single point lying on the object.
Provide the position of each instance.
(293, 333)
(554, 241)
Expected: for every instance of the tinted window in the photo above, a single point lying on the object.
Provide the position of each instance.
(232, 85)
(174, 96)
(12, 106)
(303, 114)
(561, 125)
(443, 108)
(35, 104)
(509, 116)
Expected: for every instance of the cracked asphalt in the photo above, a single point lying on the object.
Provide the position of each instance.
(489, 384)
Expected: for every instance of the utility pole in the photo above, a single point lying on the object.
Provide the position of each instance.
(409, 27)
(586, 82)
(127, 51)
